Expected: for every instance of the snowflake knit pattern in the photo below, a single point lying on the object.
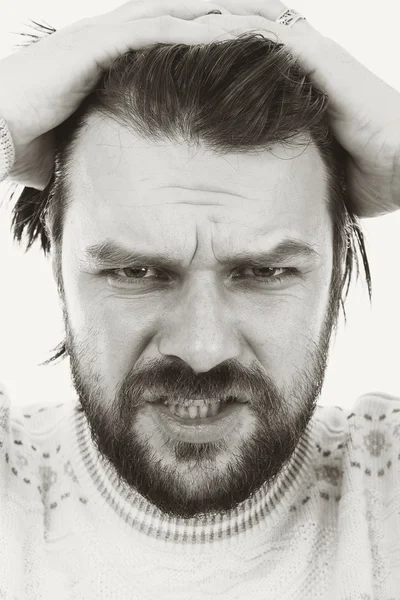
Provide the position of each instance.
(328, 528)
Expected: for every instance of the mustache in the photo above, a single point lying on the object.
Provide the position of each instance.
(161, 380)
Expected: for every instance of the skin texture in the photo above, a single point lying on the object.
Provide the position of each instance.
(129, 342)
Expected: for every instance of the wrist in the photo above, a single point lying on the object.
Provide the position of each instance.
(7, 150)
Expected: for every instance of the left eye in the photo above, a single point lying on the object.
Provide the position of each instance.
(132, 274)
(265, 272)
(138, 273)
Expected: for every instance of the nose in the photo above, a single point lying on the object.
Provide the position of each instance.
(200, 330)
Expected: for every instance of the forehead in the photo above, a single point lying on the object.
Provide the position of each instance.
(123, 186)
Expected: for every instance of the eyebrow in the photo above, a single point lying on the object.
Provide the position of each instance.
(110, 254)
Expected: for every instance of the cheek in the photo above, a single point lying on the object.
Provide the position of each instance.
(284, 332)
(112, 330)
(118, 332)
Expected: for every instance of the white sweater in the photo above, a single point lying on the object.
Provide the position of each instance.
(328, 529)
(7, 150)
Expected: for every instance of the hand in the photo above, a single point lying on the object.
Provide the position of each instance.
(364, 111)
(43, 84)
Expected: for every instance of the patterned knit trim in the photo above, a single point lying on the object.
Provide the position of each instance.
(140, 514)
(7, 150)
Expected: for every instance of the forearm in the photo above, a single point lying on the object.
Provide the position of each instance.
(396, 175)
(31, 164)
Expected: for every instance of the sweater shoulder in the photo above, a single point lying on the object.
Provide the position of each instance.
(30, 437)
(374, 429)
(31, 420)
(369, 408)
(360, 446)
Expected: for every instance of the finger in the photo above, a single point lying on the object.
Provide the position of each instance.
(237, 24)
(269, 9)
(143, 9)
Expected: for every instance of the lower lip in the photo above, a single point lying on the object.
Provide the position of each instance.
(199, 431)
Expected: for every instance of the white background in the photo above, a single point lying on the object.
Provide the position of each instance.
(365, 357)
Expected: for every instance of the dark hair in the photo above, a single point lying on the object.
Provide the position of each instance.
(240, 95)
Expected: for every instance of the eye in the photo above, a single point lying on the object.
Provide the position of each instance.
(265, 272)
(134, 272)
(134, 275)
(268, 274)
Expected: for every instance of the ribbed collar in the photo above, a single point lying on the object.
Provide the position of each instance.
(269, 503)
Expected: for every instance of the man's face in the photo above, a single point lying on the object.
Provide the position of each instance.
(212, 323)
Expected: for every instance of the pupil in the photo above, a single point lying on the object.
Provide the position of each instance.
(140, 271)
(268, 270)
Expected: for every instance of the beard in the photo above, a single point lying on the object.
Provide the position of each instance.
(185, 479)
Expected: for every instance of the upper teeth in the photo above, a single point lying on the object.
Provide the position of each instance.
(194, 403)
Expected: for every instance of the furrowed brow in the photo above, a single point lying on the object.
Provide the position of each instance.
(110, 254)
(284, 252)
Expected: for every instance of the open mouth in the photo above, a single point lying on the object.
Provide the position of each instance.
(199, 409)
(200, 422)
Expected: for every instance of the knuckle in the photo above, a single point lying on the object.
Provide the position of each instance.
(166, 21)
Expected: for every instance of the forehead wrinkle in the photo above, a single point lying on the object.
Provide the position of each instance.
(200, 187)
(197, 245)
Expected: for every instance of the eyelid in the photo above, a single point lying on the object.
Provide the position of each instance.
(133, 267)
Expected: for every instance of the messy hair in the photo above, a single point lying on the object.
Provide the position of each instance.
(245, 94)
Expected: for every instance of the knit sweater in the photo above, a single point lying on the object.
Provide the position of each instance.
(7, 150)
(328, 528)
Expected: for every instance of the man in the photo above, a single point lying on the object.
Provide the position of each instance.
(200, 203)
